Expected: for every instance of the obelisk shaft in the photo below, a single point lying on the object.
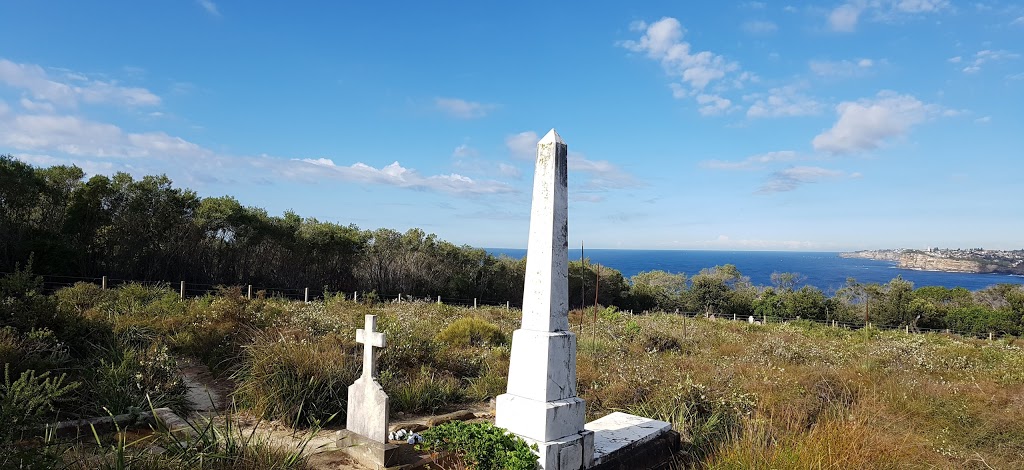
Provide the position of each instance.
(546, 290)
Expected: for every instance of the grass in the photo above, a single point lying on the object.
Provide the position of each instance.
(796, 395)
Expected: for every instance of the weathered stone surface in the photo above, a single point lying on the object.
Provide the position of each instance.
(461, 415)
(368, 405)
(619, 432)
(541, 405)
(368, 452)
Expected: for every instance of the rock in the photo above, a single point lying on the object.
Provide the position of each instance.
(461, 415)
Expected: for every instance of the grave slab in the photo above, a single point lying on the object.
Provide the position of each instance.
(619, 433)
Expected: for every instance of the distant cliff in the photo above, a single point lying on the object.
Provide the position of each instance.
(954, 261)
(880, 255)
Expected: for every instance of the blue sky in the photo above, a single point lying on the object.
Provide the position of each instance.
(750, 125)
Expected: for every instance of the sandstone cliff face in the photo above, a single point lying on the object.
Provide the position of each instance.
(926, 262)
(880, 255)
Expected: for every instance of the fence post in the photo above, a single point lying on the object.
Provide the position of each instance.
(906, 329)
(508, 305)
(764, 319)
(399, 297)
(249, 295)
(355, 296)
(474, 302)
(990, 335)
(182, 290)
(307, 295)
(104, 283)
(439, 299)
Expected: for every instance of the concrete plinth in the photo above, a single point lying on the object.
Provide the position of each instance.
(619, 435)
(368, 452)
(570, 452)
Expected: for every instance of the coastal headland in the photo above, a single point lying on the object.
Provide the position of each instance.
(973, 260)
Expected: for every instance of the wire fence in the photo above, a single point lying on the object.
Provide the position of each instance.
(53, 283)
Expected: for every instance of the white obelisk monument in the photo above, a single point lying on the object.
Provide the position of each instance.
(541, 405)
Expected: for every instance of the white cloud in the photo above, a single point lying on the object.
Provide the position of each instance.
(760, 27)
(397, 175)
(603, 175)
(920, 6)
(783, 102)
(36, 106)
(523, 145)
(209, 6)
(866, 124)
(753, 162)
(1018, 22)
(792, 178)
(844, 17)
(713, 105)
(841, 68)
(34, 80)
(463, 109)
(81, 137)
(955, 60)
(662, 41)
(983, 120)
(984, 56)
(509, 170)
(465, 151)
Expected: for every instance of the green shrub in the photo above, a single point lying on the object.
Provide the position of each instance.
(295, 381)
(129, 380)
(427, 391)
(27, 403)
(472, 331)
(481, 446)
(83, 296)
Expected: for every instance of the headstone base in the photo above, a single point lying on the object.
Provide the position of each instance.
(539, 420)
(625, 441)
(573, 452)
(370, 453)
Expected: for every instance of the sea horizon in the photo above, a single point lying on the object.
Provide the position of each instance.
(825, 270)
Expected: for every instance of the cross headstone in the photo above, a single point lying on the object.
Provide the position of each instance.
(368, 405)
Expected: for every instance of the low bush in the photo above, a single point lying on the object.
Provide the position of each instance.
(481, 446)
(472, 331)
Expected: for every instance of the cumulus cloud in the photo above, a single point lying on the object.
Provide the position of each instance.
(71, 89)
(713, 105)
(792, 178)
(865, 124)
(782, 102)
(844, 17)
(523, 145)
(841, 68)
(754, 162)
(397, 175)
(463, 109)
(663, 41)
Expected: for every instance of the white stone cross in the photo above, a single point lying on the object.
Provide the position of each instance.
(370, 338)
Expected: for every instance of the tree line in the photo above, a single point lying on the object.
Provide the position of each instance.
(148, 229)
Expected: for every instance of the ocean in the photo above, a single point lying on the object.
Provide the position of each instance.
(824, 270)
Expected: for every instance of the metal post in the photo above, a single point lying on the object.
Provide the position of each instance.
(439, 299)
(104, 283)
(249, 295)
(307, 295)
(508, 306)
(990, 336)
(474, 302)
(355, 296)
(182, 290)
(399, 298)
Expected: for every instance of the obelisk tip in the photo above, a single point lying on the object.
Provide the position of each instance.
(550, 137)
